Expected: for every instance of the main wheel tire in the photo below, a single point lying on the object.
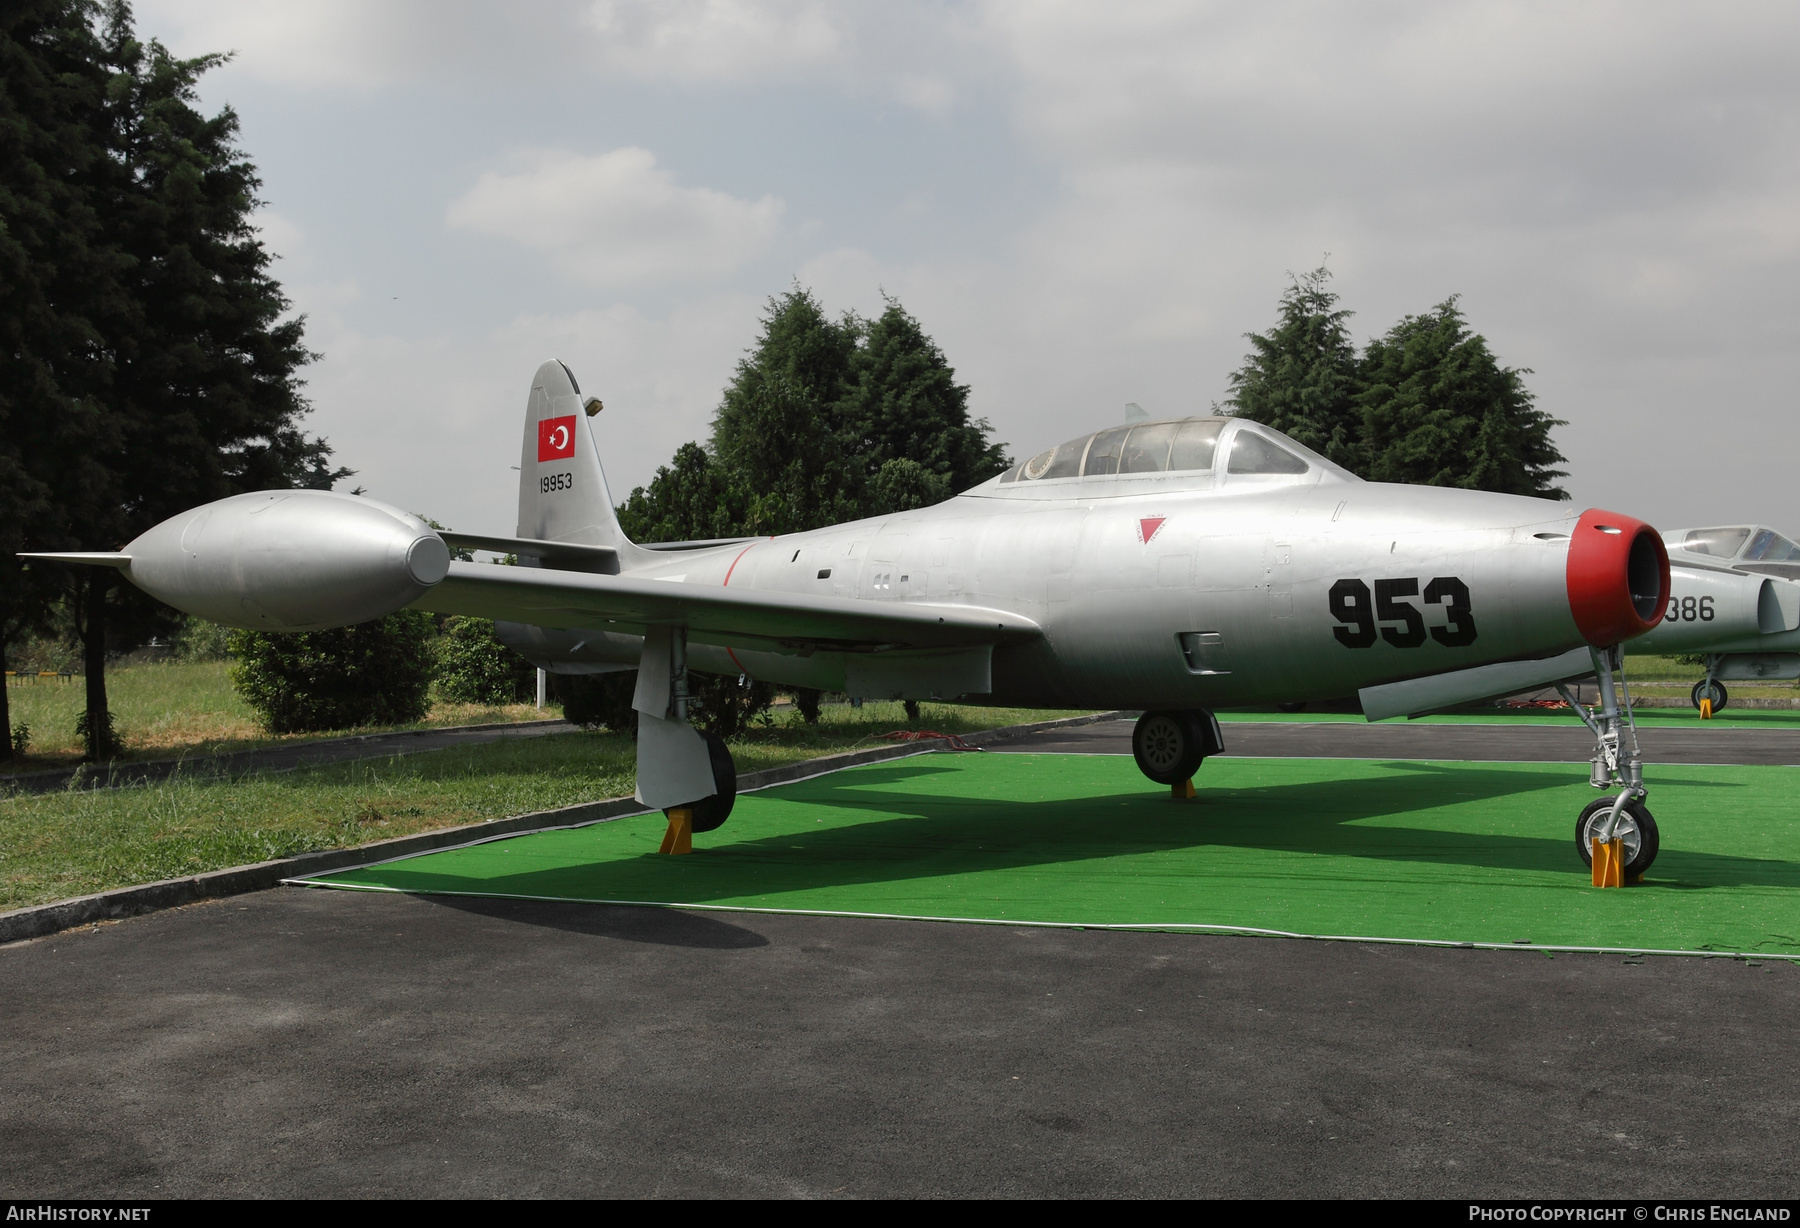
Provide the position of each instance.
(1636, 828)
(1720, 696)
(711, 812)
(1169, 746)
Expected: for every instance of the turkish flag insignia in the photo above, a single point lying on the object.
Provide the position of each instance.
(1149, 527)
(556, 438)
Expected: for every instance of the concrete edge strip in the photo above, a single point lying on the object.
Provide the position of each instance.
(1196, 927)
(37, 920)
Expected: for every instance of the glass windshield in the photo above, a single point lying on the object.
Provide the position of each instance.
(1143, 447)
(1103, 456)
(1721, 543)
(1062, 461)
(1195, 444)
(1147, 450)
(1768, 546)
(1251, 453)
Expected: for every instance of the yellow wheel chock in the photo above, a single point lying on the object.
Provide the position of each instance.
(1183, 791)
(1706, 709)
(1609, 862)
(680, 836)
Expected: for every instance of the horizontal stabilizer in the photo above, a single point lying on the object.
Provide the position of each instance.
(714, 614)
(1417, 696)
(95, 558)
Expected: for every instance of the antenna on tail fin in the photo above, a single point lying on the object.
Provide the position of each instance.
(563, 494)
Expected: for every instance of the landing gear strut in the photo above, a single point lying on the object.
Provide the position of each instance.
(1170, 746)
(1615, 765)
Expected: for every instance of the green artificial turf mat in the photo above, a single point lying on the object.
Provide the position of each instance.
(1649, 718)
(1459, 852)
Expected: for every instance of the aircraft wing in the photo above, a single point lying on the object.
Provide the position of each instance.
(714, 614)
(569, 556)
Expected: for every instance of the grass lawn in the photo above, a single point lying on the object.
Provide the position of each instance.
(1665, 677)
(163, 709)
(57, 845)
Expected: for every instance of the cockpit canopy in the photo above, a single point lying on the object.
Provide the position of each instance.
(1170, 446)
(1745, 547)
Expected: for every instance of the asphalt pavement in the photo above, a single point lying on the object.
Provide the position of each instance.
(310, 1043)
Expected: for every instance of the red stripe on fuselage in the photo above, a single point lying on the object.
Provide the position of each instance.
(734, 563)
(728, 571)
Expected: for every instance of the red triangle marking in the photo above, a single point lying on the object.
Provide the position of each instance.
(1149, 527)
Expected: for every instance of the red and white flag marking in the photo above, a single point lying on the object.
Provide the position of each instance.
(556, 438)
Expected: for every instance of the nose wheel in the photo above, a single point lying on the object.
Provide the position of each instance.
(1635, 829)
(1707, 689)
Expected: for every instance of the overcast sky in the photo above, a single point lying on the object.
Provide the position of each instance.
(1086, 204)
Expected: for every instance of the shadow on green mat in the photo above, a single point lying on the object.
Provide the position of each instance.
(912, 830)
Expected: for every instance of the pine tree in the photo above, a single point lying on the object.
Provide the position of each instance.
(57, 275)
(904, 404)
(1439, 410)
(685, 501)
(824, 421)
(778, 436)
(184, 384)
(1301, 376)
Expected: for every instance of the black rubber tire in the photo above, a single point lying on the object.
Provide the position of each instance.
(1720, 696)
(710, 813)
(1648, 839)
(1299, 707)
(1169, 746)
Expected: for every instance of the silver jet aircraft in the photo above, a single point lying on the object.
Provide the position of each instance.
(1735, 600)
(1172, 566)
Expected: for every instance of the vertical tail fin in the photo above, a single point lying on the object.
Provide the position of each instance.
(563, 494)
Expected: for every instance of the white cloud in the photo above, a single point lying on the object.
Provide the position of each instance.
(363, 45)
(716, 42)
(616, 218)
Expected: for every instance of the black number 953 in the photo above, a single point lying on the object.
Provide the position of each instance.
(1351, 605)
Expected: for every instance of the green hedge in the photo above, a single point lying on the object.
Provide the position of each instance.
(474, 667)
(375, 673)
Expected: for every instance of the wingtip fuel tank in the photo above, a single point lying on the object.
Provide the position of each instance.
(289, 560)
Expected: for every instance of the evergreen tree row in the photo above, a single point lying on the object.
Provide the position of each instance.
(1426, 403)
(824, 421)
(145, 365)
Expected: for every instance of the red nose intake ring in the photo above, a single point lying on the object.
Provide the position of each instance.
(1618, 577)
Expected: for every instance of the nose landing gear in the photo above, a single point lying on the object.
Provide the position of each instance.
(1709, 694)
(1623, 822)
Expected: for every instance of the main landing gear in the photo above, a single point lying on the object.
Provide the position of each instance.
(1616, 837)
(1170, 746)
(709, 812)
